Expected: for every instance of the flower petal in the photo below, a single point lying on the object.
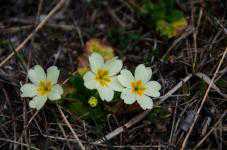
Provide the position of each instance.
(96, 61)
(153, 88)
(145, 102)
(125, 78)
(53, 74)
(114, 66)
(38, 102)
(143, 73)
(127, 96)
(149, 71)
(154, 85)
(28, 90)
(89, 80)
(115, 84)
(36, 74)
(106, 93)
(56, 92)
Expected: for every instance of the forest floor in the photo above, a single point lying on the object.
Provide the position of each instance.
(184, 42)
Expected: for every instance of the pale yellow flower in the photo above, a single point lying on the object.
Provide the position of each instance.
(139, 88)
(43, 86)
(103, 76)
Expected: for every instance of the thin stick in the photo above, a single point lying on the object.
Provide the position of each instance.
(67, 122)
(13, 116)
(22, 144)
(41, 24)
(203, 101)
(142, 115)
(64, 134)
(174, 89)
(211, 130)
(71, 129)
(189, 30)
(208, 80)
(33, 116)
(195, 37)
(66, 80)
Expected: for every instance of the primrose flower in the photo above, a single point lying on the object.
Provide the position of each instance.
(42, 87)
(139, 88)
(103, 76)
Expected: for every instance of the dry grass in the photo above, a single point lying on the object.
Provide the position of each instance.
(194, 75)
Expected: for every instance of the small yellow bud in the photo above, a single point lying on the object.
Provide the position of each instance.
(93, 102)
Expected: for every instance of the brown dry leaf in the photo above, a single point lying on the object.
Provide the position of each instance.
(91, 46)
(98, 46)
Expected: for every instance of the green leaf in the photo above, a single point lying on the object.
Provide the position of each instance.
(175, 15)
(162, 15)
(158, 114)
(79, 109)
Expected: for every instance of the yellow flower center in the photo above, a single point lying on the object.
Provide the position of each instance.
(138, 87)
(102, 77)
(44, 87)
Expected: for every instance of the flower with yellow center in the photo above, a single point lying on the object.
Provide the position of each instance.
(42, 87)
(103, 76)
(139, 88)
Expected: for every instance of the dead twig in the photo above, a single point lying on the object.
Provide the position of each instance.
(32, 21)
(12, 30)
(41, 24)
(211, 130)
(142, 115)
(115, 17)
(71, 129)
(203, 101)
(208, 81)
(22, 144)
(13, 116)
(65, 136)
(188, 31)
(195, 33)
